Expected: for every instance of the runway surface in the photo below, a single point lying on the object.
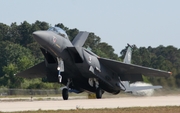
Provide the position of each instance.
(90, 103)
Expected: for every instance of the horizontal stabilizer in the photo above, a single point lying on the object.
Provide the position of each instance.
(80, 39)
(138, 88)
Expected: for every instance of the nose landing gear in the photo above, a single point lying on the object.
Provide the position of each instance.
(65, 94)
(60, 68)
(65, 91)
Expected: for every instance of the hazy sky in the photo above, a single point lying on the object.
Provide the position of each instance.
(117, 22)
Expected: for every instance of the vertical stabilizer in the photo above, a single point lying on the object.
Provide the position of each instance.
(80, 39)
(127, 58)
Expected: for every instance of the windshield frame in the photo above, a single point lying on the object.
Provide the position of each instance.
(58, 31)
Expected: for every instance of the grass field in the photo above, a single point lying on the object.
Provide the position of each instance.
(167, 109)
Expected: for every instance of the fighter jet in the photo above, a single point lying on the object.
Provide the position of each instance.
(80, 70)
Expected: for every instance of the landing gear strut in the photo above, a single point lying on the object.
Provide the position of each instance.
(60, 68)
(65, 94)
(99, 91)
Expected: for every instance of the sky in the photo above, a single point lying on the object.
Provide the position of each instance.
(117, 22)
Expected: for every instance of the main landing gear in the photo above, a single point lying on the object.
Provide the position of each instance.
(94, 83)
(99, 93)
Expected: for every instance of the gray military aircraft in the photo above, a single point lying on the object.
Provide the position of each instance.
(81, 70)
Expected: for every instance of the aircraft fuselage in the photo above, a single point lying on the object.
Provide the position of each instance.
(80, 68)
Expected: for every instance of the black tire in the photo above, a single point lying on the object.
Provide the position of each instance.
(65, 94)
(98, 93)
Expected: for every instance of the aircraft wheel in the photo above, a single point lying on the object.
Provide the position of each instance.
(99, 93)
(65, 94)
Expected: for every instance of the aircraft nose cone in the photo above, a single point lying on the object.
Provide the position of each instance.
(41, 37)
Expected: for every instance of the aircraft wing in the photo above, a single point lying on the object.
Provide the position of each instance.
(80, 39)
(36, 71)
(132, 72)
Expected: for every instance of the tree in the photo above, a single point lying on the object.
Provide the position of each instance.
(13, 54)
(4, 30)
(11, 80)
(26, 34)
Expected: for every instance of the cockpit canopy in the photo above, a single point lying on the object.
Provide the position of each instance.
(59, 31)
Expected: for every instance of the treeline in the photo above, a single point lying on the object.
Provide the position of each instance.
(19, 51)
(164, 58)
